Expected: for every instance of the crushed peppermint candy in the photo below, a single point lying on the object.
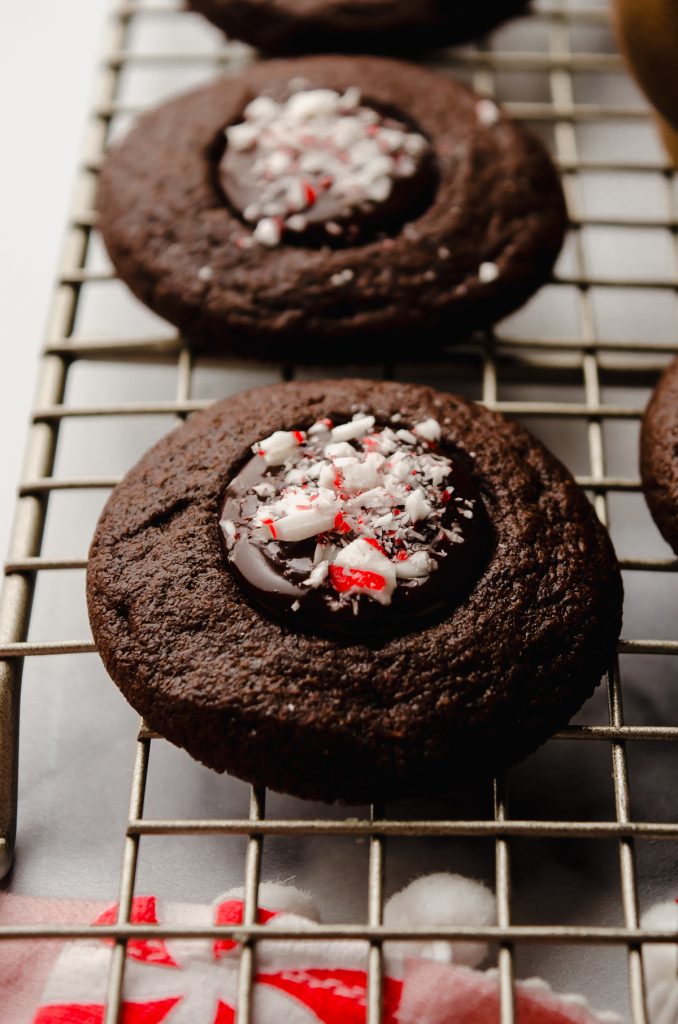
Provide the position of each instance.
(349, 510)
(316, 158)
(488, 272)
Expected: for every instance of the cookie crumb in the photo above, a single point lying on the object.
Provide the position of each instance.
(297, 222)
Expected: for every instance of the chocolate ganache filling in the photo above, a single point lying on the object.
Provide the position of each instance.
(322, 167)
(355, 529)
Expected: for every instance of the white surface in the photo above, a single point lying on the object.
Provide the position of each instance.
(47, 59)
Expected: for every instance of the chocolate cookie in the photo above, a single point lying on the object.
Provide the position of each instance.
(327, 208)
(355, 26)
(659, 455)
(349, 590)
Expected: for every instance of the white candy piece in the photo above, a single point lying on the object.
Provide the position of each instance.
(229, 531)
(311, 163)
(326, 476)
(297, 222)
(278, 161)
(268, 231)
(290, 500)
(401, 468)
(382, 521)
(242, 136)
(308, 523)
(374, 498)
(311, 103)
(362, 556)
(406, 435)
(350, 431)
(295, 476)
(414, 144)
(417, 565)
(324, 553)
(488, 272)
(351, 98)
(379, 190)
(361, 476)
(278, 448)
(296, 195)
(405, 167)
(317, 575)
(339, 449)
(416, 506)
(264, 489)
(390, 139)
(381, 166)
(318, 428)
(428, 429)
(434, 470)
(263, 108)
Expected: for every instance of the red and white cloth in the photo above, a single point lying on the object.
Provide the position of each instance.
(661, 965)
(299, 982)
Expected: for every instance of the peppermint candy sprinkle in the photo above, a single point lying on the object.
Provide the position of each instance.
(379, 502)
(318, 145)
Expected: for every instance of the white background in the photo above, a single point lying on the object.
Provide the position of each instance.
(48, 53)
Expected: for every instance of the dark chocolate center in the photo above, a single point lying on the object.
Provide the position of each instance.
(319, 168)
(280, 575)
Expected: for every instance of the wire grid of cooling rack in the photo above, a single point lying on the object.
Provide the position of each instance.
(588, 358)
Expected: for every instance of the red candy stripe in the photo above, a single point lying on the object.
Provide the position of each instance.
(355, 579)
(269, 523)
(231, 912)
(340, 523)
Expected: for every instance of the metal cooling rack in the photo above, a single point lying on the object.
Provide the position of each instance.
(577, 366)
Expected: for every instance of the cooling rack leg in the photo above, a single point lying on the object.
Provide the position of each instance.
(10, 688)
